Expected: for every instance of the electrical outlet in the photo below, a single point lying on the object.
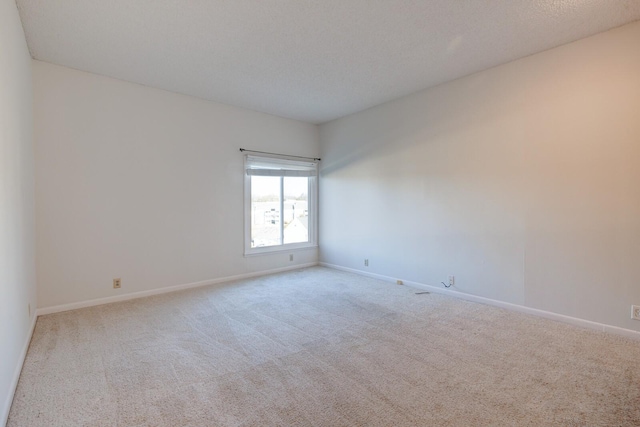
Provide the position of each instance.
(117, 283)
(399, 282)
(452, 280)
(366, 263)
(290, 257)
(635, 312)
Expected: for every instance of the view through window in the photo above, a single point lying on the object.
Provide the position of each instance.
(279, 210)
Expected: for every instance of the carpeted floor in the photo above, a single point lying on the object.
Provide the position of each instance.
(319, 347)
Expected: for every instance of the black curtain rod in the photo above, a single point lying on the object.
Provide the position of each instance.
(242, 150)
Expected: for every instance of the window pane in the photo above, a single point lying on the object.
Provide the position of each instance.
(265, 211)
(296, 210)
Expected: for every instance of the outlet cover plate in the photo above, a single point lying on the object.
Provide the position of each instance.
(635, 312)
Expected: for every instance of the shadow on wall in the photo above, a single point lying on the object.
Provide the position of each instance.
(444, 109)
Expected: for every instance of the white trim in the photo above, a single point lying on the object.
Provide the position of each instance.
(4, 415)
(291, 247)
(629, 333)
(175, 288)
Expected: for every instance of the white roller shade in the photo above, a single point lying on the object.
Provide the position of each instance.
(268, 166)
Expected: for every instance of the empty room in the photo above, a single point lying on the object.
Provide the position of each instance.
(319, 213)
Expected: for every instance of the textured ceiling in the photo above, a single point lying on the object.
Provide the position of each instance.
(308, 60)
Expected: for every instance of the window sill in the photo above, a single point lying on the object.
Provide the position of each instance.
(278, 249)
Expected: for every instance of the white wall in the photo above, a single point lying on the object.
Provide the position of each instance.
(17, 227)
(523, 181)
(143, 184)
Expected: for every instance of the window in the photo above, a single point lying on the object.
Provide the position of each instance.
(280, 204)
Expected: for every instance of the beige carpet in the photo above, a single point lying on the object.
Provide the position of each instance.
(320, 347)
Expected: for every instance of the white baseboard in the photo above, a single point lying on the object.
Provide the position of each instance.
(507, 305)
(4, 415)
(134, 295)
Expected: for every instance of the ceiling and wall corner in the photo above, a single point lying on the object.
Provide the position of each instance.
(310, 61)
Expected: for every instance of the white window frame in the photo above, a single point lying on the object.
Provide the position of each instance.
(312, 206)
